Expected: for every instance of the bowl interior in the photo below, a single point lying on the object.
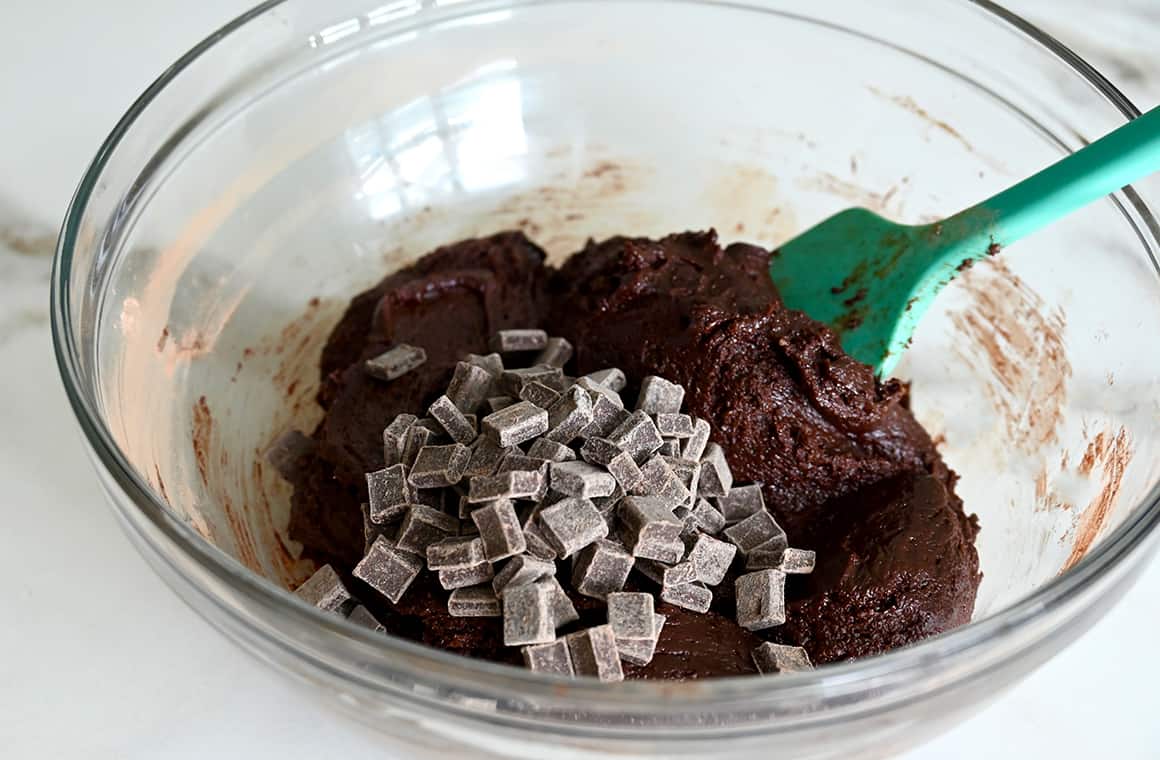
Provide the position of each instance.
(325, 161)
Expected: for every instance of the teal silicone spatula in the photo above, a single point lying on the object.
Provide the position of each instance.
(872, 279)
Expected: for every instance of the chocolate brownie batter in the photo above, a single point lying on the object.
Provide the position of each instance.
(846, 469)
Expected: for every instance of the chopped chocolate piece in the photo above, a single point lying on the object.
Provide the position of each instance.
(711, 559)
(512, 381)
(517, 461)
(473, 601)
(422, 527)
(658, 396)
(797, 562)
(594, 653)
(462, 577)
(716, 477)
(539, 394)
(600, 451)
(371, 531)
(631, 616)
(499, 529)
(611, 378)
(780, 658)
(767, 555)
(668, 552)
(362, 616)
(396, 362)
(388, 494)
(658, 479)
(414, 439)
(469, 386)
(687, 471)
(439, 466)
(670, 448)
(495, 403)
(388, 570)
(640, 651)
(455, 552)
(527, 615)
(753, 531)
(521, 570)
(674, 425)
(538, 545)
(287, 449)
(515, 484)
(678, 574)
(458, 427)
(623, 468)
(572, 524)
(432, 425)
(600, 569)
(394, 435)
(738, 503)
(695, 444)
(691, 596)
(493, 363)
(325, 591)
(556, 353)
(551, 451)
(486, 456)
(581, 479)
(515, 424)
(649, 525)
(509, 341)
(563, 610)
(707, 517)
(569, 415)
(638, 435)
(607, 414)
(436, 498)
(551, 658)
(760, 599)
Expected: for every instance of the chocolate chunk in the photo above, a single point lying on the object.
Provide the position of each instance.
(492, 363)
(631, 616)
(594, 653)
(780, 658)
(455, 552)
(473, 601)
(607, 415)
(711, 559)
(691, 596)
(563, 611)
(528, 616)
(515, 424)
(422, 527)
(287, 449)
(753, 531)
(640, 651)
(469, 386)
(673, 425)
(393, 438)
(495, 403)
(371, 531)
(439, 466)
(569, 415)
(515, 484)
(362, 616)
(325, 591)
(509, 341)
(512, 381)
(599, 451)
(551, 451)
(521, 570)
(388, 494)
(649, 525)
(414, 439)
(552, 658)
(716, 477)
(572, 524)
(556, 353)
(688, 473)
(670, 448)
(623, 469)
(581, 479)
(538, 544)
(486, 456)
(738, 503)
(797, 562)
(516, 461)
(457, 426)
(396, 362)
(436, 498)
(462, 577)
(707, 518)
(499, 529)
(760, 599)
(387, 569)
(539, 394)
(601, 569)
(767, 555)
(694, 446)
(638, 435)
(657, 479)
(658, 395)
(611, 378)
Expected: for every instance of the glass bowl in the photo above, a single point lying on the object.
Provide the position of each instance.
(306, 149)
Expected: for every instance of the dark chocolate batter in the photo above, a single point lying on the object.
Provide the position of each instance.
(846, 468)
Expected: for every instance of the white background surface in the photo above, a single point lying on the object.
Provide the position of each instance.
(98, 659)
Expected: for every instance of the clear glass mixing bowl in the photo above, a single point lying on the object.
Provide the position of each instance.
(308, 148)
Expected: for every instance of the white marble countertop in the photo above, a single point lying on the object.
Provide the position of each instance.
(90, 635)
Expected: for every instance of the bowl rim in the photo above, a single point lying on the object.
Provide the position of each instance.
(1122, 542)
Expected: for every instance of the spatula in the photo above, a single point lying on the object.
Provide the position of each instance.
(872, 279)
